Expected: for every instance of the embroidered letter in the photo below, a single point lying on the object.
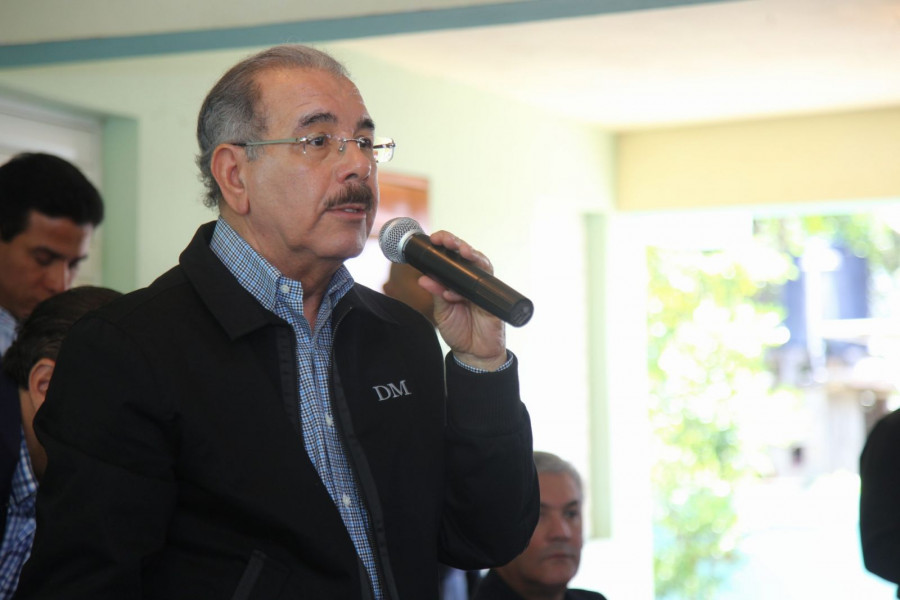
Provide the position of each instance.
(391, 390)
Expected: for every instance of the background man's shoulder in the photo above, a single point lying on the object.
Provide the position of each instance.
(575, 594)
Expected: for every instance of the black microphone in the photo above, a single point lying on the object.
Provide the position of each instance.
(403, 241)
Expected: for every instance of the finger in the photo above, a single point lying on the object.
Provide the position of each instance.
(432, 286)
(466, 250)
(436, 288)
(483, 261)
(475, 256)
(446, 239)
(452, 296)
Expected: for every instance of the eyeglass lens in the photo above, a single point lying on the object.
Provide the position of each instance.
(379, 149)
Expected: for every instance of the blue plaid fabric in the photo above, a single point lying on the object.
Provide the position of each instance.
(284, 297)
(7, 329)
(16, 546)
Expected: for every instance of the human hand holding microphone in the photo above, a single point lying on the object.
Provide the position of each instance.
(403, 241)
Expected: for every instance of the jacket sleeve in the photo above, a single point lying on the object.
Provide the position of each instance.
(107, 495)
(879, 507)
(492, 496)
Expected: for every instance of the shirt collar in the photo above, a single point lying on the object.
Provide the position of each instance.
(262, 279)
(24, 483)
(7, 329)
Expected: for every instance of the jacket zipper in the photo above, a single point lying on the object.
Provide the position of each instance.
(370, 533)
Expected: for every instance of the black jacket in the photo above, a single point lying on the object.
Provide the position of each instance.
(492, 587)
(879, 504)
(177, 469)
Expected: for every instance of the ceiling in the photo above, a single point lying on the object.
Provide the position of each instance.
(702, 63)
(621, 69)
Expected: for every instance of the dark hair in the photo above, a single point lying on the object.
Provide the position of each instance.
(41, 334)
(47, 184)
(228, 113)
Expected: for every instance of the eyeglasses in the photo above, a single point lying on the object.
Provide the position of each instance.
(379, 149)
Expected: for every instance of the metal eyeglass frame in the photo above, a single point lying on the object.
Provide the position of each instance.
(382, 148)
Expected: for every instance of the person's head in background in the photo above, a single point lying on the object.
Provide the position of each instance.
(552, 557)
(403, 285)
(30, 361)
(48, 213)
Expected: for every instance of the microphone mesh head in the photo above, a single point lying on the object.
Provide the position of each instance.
(392, 236)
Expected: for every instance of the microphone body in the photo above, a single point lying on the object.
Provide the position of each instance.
(403, 241)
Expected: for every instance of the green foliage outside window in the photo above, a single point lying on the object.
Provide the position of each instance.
(713, 316)
(707, 338)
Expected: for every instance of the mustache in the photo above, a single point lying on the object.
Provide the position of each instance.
(352, 194)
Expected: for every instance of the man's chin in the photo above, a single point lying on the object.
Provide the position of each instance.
(559, 570)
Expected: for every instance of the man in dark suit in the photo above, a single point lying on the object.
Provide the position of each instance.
(551, 560)
(256, 425)
(48, 213)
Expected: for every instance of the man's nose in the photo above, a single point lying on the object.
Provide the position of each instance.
(560, 528)
(59, 277)
(355, 162)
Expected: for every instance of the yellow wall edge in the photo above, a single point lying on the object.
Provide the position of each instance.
(853, 155)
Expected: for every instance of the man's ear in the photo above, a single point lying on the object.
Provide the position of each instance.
(227, 165)
(39, 381)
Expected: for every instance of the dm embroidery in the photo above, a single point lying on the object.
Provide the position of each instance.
(391, 390)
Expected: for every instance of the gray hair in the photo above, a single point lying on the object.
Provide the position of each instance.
(545, 462)
(229, 114)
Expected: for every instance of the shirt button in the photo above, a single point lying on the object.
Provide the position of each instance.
(347, 500)
(285, 288)
(329, 420)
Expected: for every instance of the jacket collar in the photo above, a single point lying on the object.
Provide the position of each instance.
(237, 311)
(235, 308)
(362, 298)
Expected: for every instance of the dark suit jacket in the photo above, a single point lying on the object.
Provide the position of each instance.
(177, 469)
(879, 504)
(492, 587)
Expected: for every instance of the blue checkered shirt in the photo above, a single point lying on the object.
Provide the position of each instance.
(16, 546)
(7, 329)
(284, 297)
